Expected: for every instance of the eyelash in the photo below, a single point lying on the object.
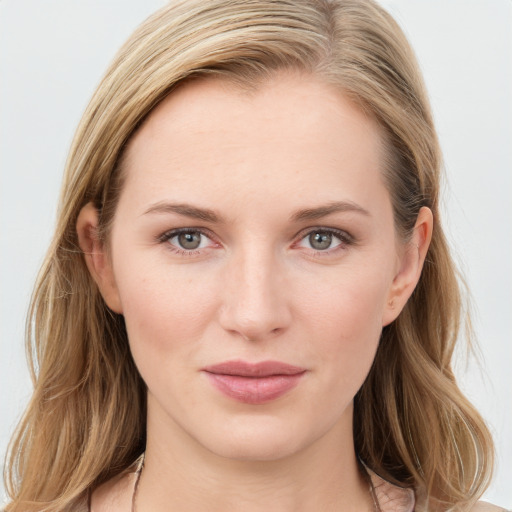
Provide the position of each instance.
(345, 240)
(169, 235)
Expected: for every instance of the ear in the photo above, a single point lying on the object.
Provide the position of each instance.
(411, 264)
(96, 257)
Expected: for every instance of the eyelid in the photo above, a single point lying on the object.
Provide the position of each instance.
(346, 238)
(171, 233)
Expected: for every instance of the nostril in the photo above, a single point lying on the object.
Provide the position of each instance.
(256, 337)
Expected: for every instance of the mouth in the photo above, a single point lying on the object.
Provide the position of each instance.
(254, 383)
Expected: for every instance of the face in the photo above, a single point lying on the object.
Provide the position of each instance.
(254, 257)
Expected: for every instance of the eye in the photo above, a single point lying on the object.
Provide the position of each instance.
(325, 239)
(187, 240)
(320, 241)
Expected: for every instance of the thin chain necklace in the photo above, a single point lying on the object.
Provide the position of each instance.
(376, 507)
(137, 479)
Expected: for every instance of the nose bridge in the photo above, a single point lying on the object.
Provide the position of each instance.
(255, 304)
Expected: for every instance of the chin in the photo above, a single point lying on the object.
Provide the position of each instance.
(257, 441)
(261, 451)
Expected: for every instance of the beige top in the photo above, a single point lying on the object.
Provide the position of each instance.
(390, 498)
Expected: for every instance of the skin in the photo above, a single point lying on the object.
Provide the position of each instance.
(256, 289)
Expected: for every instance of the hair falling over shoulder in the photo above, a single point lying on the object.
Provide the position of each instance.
(86, 419)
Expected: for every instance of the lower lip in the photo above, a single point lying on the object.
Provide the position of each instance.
(254, 390)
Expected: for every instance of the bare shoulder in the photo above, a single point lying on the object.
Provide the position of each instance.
(482, 506)
(114, 495)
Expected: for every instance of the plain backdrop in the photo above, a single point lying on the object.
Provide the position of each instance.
(52, 55)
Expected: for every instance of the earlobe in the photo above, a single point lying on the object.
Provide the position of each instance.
(96, 257)
(411, 266)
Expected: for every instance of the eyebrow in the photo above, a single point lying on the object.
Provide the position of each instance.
(208, 215)
(187, 210)
(328, 209)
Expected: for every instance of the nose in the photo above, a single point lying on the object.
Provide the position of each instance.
(255, 305)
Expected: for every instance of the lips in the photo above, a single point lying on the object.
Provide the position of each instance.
(254, 383)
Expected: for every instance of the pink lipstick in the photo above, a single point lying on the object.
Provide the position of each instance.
(254, 383)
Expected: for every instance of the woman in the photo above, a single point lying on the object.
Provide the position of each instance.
(249, 302)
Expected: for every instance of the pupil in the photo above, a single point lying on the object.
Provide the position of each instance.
(320, 241)
(190, 240)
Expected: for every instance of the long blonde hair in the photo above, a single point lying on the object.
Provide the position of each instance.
(86, 420)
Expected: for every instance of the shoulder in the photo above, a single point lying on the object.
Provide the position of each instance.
(482, 506)
(115, 494)
(389, 497)
(392, 498)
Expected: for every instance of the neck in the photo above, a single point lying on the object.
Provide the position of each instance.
(181, 474)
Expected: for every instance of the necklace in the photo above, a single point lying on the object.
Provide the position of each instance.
(376, 507)
(137, 479)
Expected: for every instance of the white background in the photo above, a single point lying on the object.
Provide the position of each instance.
(52, 55)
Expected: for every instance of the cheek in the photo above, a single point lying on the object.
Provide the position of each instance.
(165, 308)
(345, 322)
(349, 303)
(167, 313)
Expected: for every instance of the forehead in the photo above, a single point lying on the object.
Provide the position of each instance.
(292, 128)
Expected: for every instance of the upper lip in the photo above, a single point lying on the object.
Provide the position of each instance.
(260, 369)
